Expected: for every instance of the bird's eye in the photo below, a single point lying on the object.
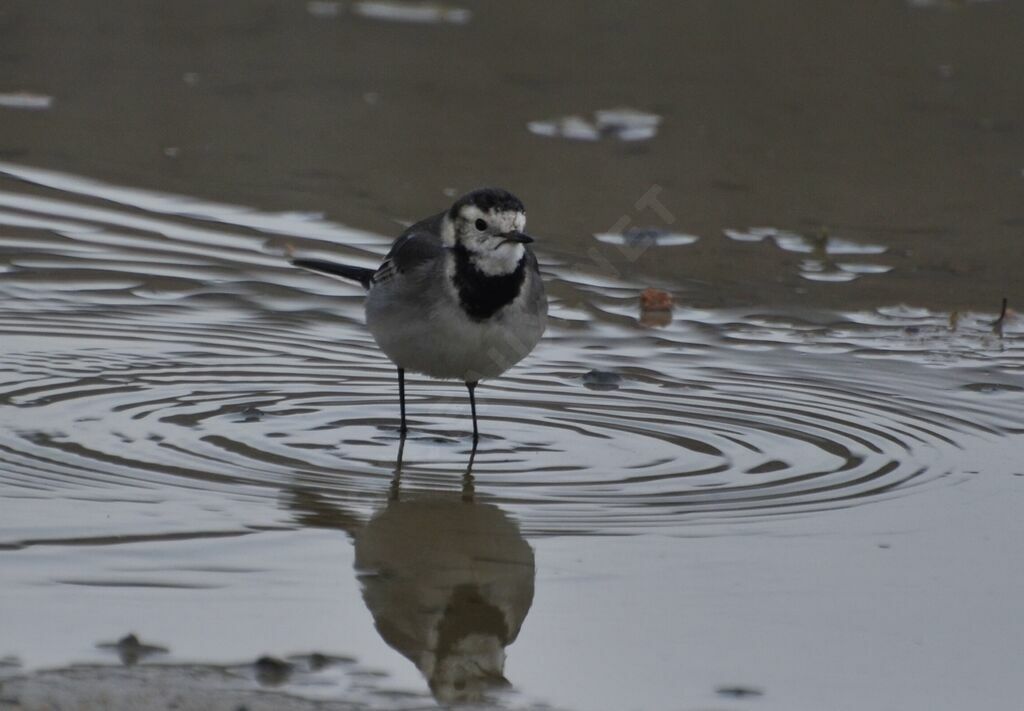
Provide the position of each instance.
(481, 225)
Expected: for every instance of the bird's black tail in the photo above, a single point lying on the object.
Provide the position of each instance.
(359, 274)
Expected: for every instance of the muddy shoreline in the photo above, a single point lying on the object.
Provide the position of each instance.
(898, 124)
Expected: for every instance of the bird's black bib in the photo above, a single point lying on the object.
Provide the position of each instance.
(482, 295)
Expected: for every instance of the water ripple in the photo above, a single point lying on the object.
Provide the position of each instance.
(165, 347)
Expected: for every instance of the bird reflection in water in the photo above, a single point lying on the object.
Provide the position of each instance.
(448, 580)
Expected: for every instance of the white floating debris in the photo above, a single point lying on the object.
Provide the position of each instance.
(864, 268)
(794, 242)
(818, 270)
(424, 13)
(26, 100)
(836, 275)
(638, 133)
(903, 311)
(627, 124)
(646, 237)
(575, 128)
(754, 234)
(832, 245)
(624, 123)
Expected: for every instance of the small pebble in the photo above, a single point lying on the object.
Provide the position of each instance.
(738, 692)
(602, 380)
(131, 650)
(252, 414)
(271, 671)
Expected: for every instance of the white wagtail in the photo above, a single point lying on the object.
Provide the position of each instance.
(459, 294)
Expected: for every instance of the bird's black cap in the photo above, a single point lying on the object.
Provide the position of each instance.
(488, 199)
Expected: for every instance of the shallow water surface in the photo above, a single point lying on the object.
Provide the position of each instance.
(787, 509)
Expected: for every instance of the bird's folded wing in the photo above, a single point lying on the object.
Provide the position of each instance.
(410, 251)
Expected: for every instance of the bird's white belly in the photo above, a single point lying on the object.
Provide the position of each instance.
(443, 342)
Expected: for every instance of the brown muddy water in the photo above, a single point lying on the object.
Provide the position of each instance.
(800, 489)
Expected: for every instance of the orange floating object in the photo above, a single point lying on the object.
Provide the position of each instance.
(655, 308)
(655, 300)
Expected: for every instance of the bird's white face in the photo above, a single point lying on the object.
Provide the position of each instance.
(486, 236)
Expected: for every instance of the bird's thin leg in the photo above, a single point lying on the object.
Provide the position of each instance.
(396, 478)
(472, 404)
(468, 487)
(401, 398)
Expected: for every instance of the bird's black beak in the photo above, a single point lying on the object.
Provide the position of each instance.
(520, 237)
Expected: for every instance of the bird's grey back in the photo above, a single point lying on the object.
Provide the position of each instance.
(418, 246)
(418, 242)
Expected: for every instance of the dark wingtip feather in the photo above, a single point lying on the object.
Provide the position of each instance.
(358, 274)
